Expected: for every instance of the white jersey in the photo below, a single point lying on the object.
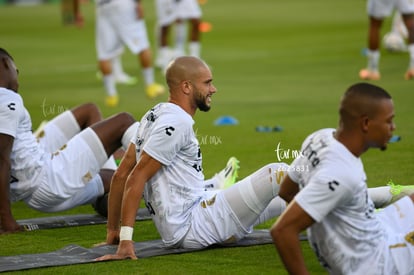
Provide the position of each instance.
(178, 186)
(27, 157)
(46, 178)
(347, 236)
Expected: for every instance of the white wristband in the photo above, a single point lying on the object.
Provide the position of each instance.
(126, 233)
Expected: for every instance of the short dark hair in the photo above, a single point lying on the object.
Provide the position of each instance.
(6, 53)
(361, 99)
(367, 90)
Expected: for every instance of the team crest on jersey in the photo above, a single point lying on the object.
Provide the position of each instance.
(169, 130)
(12, 106)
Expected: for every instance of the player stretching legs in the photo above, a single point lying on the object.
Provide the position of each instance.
(46, 178)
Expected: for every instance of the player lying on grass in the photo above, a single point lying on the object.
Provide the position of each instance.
(331, 199)
(165, 164)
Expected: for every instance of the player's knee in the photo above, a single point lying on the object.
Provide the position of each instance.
(125, 119)
(106, 176)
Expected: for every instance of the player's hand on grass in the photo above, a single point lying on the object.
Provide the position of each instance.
(125, 251)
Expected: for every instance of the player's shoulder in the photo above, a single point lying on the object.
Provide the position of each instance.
(9, 100)
(9, 94)
(174, 114)
(325, 133)
(318, 139)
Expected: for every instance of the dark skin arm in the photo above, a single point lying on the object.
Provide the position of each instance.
(145, 168)
(289, 225)
(288, 189)
(285, 234)
(7, 223)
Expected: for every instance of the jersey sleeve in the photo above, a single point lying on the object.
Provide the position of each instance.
(166, 140)
(322, 194)
(10, 111)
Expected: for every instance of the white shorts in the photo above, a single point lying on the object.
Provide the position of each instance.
(117, 24)
(168, 11)
(384, 8)
(58, 131)
(213, 222)
(398, 219)
(66, 179)
(188, 9)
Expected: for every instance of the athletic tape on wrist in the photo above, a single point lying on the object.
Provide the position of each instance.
(126, 233)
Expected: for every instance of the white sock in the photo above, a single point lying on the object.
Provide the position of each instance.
(373, 59)
(180, 37)
(274, 209)
(110, 163)
(398, 25)
(249, 197)
(163, 56)
(109, 84)
(411, 51)
(129, 135)
(117, 66)
(194, 48)
(148, 74)
(381, 196)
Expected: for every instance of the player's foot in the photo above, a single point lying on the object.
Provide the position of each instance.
(367, 74)
(111, 100)
(228, 176)
(126, 79)
(399, 191)
(121, 78)
(409, 74)
(154, 90)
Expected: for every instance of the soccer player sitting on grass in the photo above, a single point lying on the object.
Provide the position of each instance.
(61, 168)
(331, 199)
(165, 164)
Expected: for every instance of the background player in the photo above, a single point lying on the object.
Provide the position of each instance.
(120, 23)
(378, 10)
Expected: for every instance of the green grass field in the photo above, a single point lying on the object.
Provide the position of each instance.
(274, 62)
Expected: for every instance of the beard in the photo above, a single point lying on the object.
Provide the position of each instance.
(201, 102)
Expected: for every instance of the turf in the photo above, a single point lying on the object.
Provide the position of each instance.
(274, 62)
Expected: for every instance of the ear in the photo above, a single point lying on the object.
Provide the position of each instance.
(186, 86)
(5, 62)
(365, 123)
